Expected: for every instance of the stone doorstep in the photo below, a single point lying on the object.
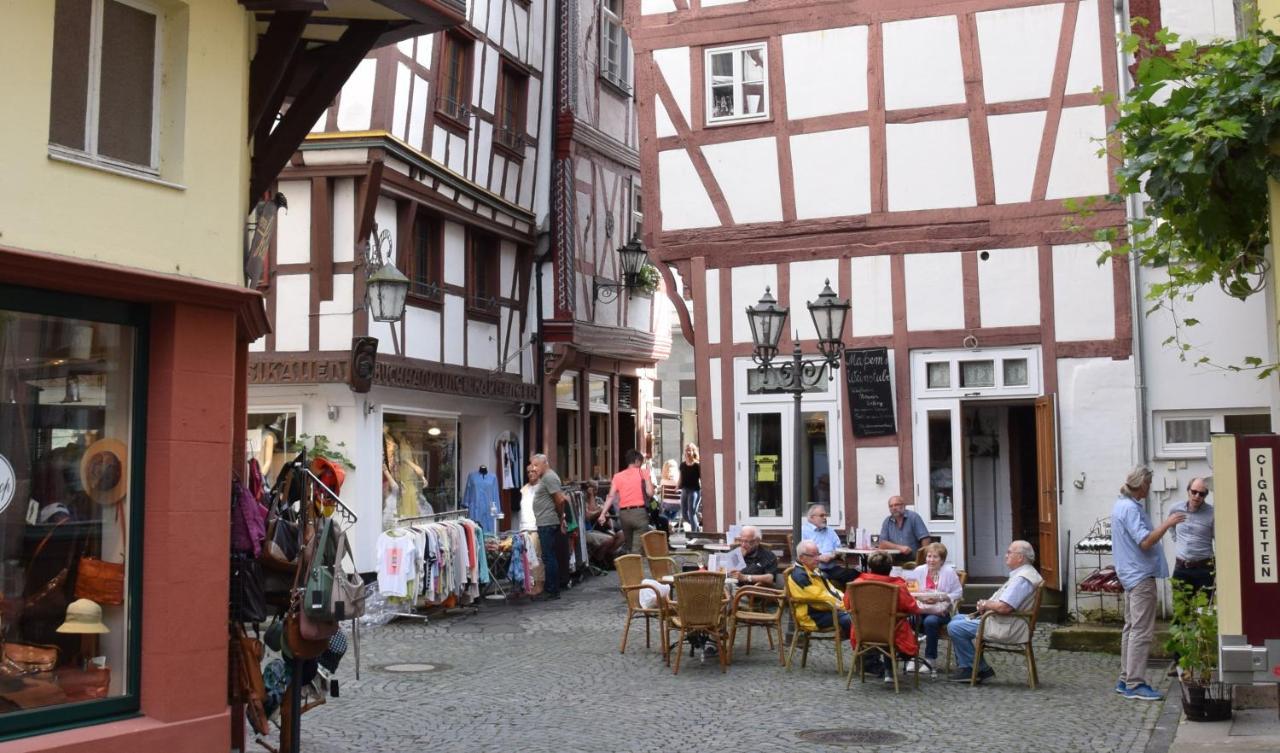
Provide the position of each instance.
(1103, 639)
(1248, 730)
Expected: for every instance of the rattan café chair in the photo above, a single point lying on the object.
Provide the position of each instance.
(698, 609)
(875, 622)
(982, 645)
(758, 612)
(809, 635)
(630, 574)
(662, 561)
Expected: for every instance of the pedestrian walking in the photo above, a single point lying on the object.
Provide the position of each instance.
(691, 488)
(630, 489)
(1139, 563)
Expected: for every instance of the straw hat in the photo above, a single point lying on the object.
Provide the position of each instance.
(104, 471)
(83, 616)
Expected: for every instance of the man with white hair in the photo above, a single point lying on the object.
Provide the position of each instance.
(1139, 561)
(807, 585)
(762, 564)
(815, 529)
(1015, 595)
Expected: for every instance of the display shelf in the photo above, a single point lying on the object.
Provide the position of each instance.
(1089, 557)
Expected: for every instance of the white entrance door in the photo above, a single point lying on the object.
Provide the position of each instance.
(939, 471)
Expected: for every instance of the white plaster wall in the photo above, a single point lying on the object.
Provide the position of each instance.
(495, 177)
(1018, 48)
(422, 333)
(336, 319)
(1009, 287)
(293, 302)
(711, 293)
(425, 45)
(457, 154)
(807, 278)
(1078, 169)
(814, 66)
(455, 254)
(1199, 20)
(387, 338)
(1085, 71)
(935, 297)
(454, 327)
(482, 344)
(747, 173)
(873, 499)
(684, 202)
(673, 65)
(639, 309)
(439, 145)
(717, 399)
(651, 7)
(531, 107)
(746, 285)
(831, 172)
(716, 506)
(344, 219)
(400, 106)
(506, 266)
(356, 103)
(293, 234)
(1083, 294)
(930, 165)
(490, 98)
(871, 311)
(1015, 149)
(662, 120)
(484, 145)
(922, 63)
(418, 113)
(335, 157)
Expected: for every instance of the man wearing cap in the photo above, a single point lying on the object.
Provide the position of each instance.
(1139, 562)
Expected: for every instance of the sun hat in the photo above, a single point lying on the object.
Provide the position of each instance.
(83, 616)
(104, 471)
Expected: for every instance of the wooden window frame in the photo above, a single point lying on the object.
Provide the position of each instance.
(736, 50)
(509, 142)
(623, 82)
(408, 262)
(636, 225)
(455, 111)
(484, 304)
(93, 94)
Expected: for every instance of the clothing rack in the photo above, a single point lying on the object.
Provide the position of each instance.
(433, 517)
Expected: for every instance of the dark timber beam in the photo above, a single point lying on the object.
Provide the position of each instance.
(324, 83)
(270, 69)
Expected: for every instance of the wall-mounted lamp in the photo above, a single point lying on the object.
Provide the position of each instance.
(633, 257)
(369, 408)
(333, 412)
(879, 480)
(386, 288)
(1079, 483)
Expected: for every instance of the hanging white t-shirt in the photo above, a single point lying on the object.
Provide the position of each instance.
(397, 557)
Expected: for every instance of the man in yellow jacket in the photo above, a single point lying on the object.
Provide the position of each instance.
(807, 584)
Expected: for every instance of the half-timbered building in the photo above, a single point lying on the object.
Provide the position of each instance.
(919, 155)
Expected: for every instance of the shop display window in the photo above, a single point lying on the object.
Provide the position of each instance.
(71, 417)
(568, 462)
(271, 436)
(602, 465)
(419, 464)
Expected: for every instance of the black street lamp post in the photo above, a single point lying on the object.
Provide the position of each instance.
(767, 320)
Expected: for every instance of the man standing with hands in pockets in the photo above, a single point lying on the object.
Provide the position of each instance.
(1139, 562)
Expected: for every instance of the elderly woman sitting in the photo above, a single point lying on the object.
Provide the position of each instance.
(936, 577)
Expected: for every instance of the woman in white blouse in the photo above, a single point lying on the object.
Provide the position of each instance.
(936, 577)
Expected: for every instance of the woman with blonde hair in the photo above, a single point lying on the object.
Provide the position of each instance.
(691, 488)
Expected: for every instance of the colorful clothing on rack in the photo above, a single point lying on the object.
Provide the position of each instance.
(447, 560)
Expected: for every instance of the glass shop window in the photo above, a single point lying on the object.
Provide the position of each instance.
(271, 437)
(70, 483)
(419, 464)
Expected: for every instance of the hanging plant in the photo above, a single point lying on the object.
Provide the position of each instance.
(1194, 136)
(647, 279)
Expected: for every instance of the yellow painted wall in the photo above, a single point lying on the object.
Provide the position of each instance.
(50, 206)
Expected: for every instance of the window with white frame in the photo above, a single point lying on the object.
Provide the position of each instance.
(737, 83)
(1183, 434)
(1012, 372)
(106, 82)
(637, 210)
(615, 48)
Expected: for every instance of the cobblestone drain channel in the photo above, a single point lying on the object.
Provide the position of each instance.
(546, 677)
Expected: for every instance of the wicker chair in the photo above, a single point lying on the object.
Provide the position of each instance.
(875, 623)
(756, 612)
(662, 561)
(808, 635)
(630, 572)
(698, 609)
(955, 609)
(981, 645)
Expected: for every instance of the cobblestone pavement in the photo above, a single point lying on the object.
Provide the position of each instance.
(547, 676)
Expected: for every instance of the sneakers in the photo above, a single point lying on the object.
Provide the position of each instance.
(925, 669)
(964, 674)
(1143, 692)
(1121, 688)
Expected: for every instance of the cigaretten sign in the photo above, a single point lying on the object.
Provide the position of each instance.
(1262, 496)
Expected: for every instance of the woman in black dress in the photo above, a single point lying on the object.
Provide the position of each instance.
(691, 488)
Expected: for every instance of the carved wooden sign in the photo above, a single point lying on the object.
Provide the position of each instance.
(391, 374)
(870, 392)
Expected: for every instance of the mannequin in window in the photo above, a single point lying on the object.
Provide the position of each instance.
(481, 498)
(411, 476)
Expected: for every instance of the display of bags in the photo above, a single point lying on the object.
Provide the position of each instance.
(247, 653)
(27, 658)
(100, 581)
(248, 595)
(84, 684)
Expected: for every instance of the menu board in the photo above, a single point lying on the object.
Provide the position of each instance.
(870, 385)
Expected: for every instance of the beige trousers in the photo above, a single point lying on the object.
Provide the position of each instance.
(1139, 629)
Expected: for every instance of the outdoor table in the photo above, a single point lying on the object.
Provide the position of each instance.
(862, 554)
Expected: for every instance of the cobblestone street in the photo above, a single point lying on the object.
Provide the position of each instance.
(548, 677)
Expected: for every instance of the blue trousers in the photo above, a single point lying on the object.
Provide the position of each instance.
(933, 624)
(690, 506)
(963, 632)
(549, 538)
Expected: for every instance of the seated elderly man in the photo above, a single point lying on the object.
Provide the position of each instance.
(903, 531)
(762, 564)
(816, 530)
(1015, 595)
(807, 584)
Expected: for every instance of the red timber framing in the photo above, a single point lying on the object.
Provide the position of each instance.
(1039, 223)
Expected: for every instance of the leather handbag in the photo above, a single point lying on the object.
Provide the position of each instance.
(21, 659)
(34, 693)
(299, 645)
(248, 597)
(84, 684)
(100, 581)
(49, 599)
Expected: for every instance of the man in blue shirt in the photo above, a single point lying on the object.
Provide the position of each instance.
(815, 529)
(903, 531)
(1139, 561)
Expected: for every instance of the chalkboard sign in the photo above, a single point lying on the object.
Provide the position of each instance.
(870, 392)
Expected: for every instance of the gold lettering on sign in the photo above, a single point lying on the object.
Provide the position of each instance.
(1261, 487)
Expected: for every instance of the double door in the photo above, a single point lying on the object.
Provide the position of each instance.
(768, 460)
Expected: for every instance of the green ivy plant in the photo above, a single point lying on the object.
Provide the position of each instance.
(647, 279)
(318, 447)
(1194, 137)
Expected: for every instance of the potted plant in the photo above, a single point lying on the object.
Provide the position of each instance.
(647, 280)
(1193, 638)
